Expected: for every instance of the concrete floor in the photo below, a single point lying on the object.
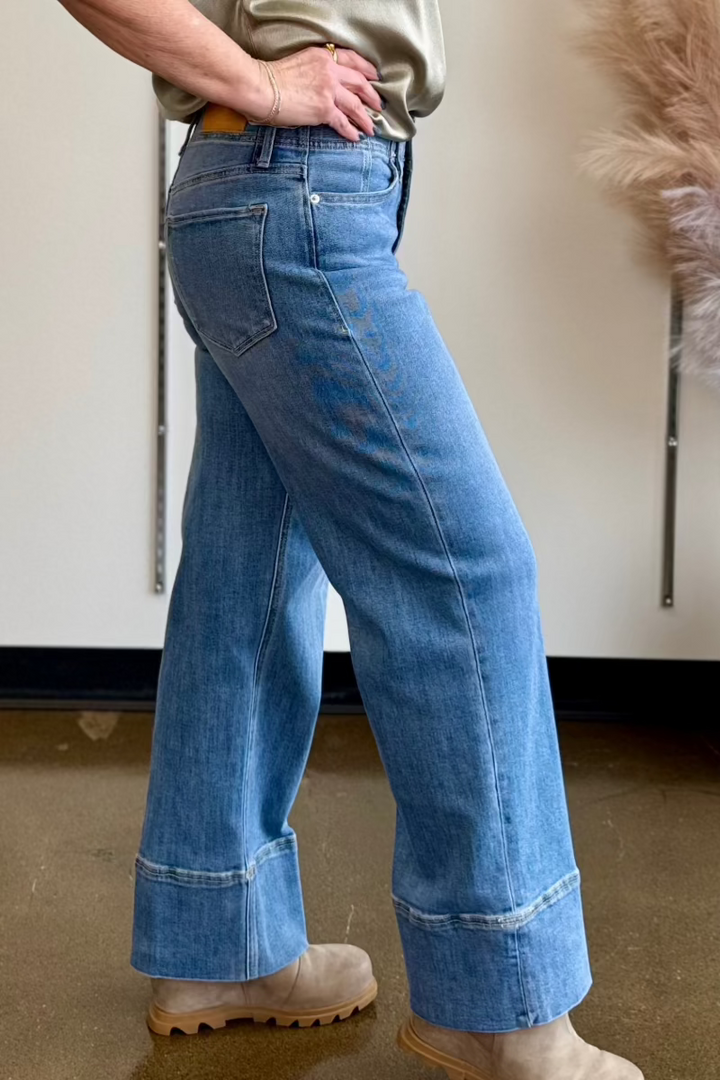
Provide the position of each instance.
(646, 812)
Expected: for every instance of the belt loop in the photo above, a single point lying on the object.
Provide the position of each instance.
(265, 146)
(303, 137)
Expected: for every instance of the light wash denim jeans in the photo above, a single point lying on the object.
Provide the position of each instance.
(335, 440)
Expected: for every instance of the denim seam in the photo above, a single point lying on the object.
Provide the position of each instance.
(251, 934)
(257, 669)
(176, 875)
(521, 976)
(491, 923)
(458, 586)
(232, 172)
(191, 217)
(478, 669)
(366, 170)
(285, 140)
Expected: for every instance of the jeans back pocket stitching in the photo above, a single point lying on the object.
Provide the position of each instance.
(254, 211)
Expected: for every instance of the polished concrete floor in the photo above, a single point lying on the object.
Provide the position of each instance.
(646, 812)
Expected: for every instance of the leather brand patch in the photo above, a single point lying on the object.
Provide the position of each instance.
(218, 118)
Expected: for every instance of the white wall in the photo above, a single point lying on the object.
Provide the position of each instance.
(560, 334)
(76, 338)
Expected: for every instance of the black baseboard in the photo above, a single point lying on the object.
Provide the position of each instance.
(647, 691)
(123, 679)
(640, 691)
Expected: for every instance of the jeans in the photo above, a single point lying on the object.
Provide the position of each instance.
(335, 440)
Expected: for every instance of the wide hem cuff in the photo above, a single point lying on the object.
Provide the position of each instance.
(497, 974)
(219, 927)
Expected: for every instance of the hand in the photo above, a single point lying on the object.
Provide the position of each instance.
(316, 90)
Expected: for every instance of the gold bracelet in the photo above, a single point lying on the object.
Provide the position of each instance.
(277, 104)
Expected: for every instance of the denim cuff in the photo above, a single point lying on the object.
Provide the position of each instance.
(220, 927)
(497, 974)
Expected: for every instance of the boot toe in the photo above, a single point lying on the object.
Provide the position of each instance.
(347, 971)
(361, 965)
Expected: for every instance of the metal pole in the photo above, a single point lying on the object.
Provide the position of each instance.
(672, 447)
(161, 372)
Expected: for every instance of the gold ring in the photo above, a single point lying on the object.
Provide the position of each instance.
(332, 49)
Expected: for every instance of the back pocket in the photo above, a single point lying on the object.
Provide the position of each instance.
(217, 269)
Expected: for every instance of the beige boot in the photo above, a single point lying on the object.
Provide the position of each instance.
(552, 1052)
(328, 982)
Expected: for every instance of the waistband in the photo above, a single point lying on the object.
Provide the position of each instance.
(218, 122)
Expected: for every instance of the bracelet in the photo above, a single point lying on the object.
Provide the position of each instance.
(277, 104)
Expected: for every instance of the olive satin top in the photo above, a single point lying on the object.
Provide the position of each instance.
(403, 38)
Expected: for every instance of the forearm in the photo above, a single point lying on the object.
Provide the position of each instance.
(172, 39)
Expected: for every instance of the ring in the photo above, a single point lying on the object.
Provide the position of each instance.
(332, 49)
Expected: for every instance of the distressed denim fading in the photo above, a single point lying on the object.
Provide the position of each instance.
(336, 440)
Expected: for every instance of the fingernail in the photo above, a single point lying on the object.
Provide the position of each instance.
(379, 77)
(384, 103)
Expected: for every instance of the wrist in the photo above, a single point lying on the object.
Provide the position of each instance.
(252, 92)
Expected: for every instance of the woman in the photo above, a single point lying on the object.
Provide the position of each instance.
(335, 440)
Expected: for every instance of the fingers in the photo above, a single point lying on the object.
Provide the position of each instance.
(349, 58)
(365, 91)
(369, 95)
(352, 106)
(342, 125)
